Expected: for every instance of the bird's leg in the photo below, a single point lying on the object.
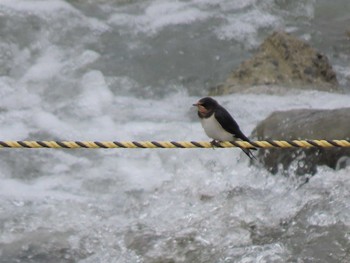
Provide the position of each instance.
(215, 143)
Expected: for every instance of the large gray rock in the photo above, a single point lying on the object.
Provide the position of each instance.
(304, 124)
(282, 60)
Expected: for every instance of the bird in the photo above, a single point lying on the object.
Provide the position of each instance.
(219, 125)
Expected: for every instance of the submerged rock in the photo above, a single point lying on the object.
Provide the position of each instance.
(42, 246)
(184, 246)
(282, 60)
(304, 124)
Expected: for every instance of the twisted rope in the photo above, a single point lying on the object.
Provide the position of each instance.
(175, 144)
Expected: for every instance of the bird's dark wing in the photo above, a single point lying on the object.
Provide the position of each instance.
(228, 123)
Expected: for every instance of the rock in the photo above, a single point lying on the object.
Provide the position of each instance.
(304, 124)
(282, 60)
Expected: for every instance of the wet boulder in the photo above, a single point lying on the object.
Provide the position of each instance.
(304, 124)
(282, 60)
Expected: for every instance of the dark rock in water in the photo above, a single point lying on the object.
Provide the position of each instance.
(282, 60)
(304, 124)
(348, 33)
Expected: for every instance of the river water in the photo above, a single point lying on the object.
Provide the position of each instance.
(130, 70)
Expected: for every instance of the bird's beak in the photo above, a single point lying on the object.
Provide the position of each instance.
(196, 104)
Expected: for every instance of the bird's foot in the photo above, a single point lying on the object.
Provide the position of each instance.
(215, 143)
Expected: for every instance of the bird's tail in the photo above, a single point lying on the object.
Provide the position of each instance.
(249, 153)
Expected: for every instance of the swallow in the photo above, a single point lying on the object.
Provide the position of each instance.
(218, 124)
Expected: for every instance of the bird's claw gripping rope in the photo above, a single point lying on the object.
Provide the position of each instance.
(215, 144)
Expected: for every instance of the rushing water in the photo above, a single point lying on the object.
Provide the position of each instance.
(130, 70)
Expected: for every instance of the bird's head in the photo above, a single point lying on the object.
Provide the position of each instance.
(206, 106)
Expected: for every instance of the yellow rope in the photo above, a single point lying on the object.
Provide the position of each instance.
(172, 144)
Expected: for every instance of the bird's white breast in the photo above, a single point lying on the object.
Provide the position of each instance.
(214, 130)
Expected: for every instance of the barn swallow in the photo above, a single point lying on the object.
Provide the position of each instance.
(218, 124)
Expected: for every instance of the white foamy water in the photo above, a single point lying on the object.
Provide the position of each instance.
(120, 70)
